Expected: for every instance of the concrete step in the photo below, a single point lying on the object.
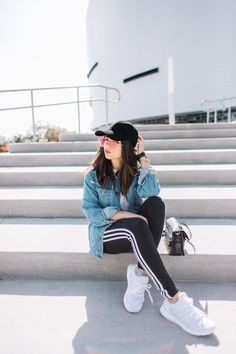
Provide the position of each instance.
(73, 175)
(88, 317)
(187, 126)
(168, 144)
(160, 134)
(58, 249)
(163, 157)
(180, 126)
(181, 201)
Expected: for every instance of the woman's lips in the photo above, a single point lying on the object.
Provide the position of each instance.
(107, 152)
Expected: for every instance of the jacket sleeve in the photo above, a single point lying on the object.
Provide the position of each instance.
(95, 214)
(148, 184)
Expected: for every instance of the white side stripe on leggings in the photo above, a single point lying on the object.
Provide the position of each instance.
(110, 235)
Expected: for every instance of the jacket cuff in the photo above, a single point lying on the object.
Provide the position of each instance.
(110, 211)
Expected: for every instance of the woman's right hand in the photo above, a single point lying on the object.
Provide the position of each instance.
(127, 214)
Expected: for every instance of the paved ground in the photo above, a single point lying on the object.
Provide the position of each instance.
(80, 316)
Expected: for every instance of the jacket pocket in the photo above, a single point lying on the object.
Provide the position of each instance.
(104, 195)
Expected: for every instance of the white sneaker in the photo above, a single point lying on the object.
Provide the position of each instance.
(137, 284)
(187, 316)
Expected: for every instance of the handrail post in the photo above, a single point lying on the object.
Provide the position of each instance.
(32, 109)
(229, 114)
(208, 116)
(78, 108)
(215, 116)
(106, 95)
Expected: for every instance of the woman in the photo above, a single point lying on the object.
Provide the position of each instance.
(119, 221)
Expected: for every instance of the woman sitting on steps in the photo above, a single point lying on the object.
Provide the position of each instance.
(120, 222)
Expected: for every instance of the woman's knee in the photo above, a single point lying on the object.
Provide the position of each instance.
(155, 203)
(136, 224)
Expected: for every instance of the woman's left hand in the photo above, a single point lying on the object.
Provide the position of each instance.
(140, 144)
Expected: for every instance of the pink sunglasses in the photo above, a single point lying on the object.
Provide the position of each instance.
(112, 143)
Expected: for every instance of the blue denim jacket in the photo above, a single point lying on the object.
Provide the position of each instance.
(100, 204)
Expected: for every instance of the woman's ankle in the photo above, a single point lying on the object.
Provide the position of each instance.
(174, 298)
(140, 271)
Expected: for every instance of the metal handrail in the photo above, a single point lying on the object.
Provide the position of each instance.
(218, 100)
(214, 109)
(78, 101)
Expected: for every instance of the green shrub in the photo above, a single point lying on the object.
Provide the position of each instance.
(43, 133)
(52, 133)
(3, 140)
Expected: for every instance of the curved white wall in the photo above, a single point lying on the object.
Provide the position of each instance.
(129, 37)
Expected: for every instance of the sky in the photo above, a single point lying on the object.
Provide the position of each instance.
(43, 44)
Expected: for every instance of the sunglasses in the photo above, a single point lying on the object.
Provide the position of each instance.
(104, 139)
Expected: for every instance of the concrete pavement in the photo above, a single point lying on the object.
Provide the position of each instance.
(81, 317)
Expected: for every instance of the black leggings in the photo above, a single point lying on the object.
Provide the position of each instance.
(134, 235)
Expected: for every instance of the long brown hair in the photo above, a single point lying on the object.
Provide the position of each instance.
(128, 169)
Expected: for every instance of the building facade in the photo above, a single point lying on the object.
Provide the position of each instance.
(130, 41)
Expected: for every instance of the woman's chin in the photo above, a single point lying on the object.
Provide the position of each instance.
(108, 156)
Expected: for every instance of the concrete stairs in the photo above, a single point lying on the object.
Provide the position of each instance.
(55, 295)
(42, 184)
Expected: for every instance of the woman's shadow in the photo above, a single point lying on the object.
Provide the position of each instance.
(110, 329)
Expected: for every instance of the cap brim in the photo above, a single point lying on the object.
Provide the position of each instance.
(106, 132)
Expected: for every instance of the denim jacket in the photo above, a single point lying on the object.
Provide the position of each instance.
(100, 204)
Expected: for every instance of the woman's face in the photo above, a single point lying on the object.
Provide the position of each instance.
(112, 148)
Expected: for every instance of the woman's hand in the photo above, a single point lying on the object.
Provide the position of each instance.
(142, 217)
(140, 144)
(144, 161)
(127, 214)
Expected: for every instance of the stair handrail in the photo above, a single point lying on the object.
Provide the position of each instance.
(32, 106)
(214, 109)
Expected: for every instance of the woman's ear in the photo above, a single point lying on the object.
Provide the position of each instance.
(135, 150)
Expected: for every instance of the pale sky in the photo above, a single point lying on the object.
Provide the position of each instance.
(42, 44)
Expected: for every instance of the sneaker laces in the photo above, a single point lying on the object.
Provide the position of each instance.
(139, 290)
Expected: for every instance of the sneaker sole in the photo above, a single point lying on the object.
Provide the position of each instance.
(169, 317)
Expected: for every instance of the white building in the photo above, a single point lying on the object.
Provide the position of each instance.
(129, 37)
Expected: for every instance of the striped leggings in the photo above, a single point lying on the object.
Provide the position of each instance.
(134, 235)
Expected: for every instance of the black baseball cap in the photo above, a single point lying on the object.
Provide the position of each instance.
(121, 131)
